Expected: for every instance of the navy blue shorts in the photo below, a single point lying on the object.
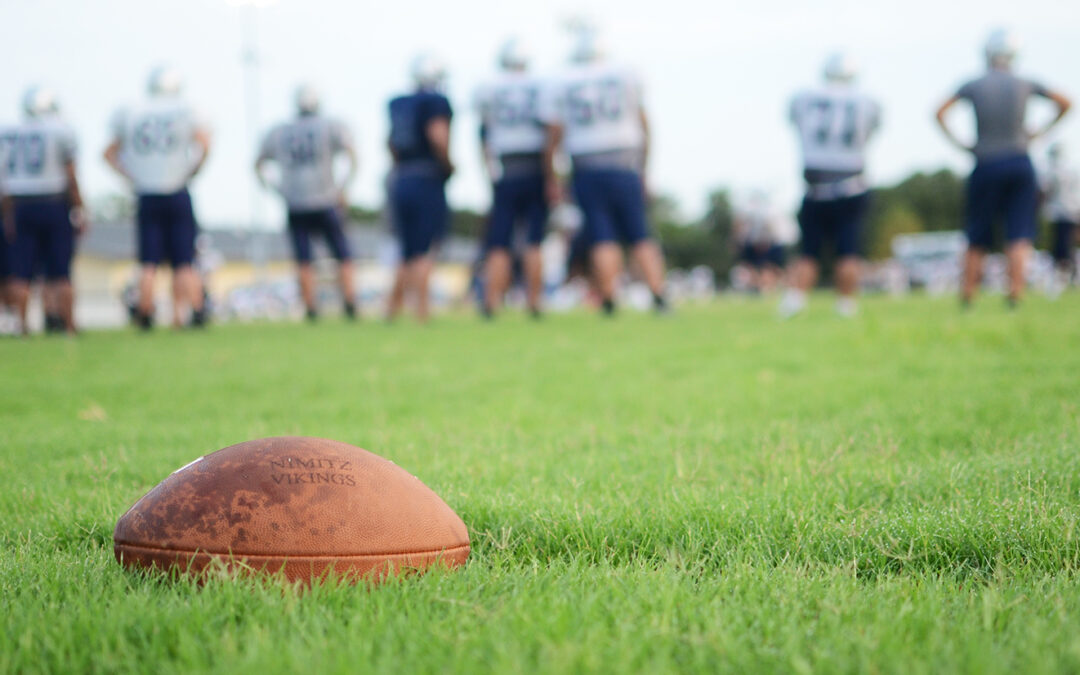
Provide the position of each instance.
(837, 219)
(420, 212)
(517, 199)
(613, 204)
(1002, 187)
(44, 239)
(1064, 240)
(5, 253)
(167, 229)
(758, 256)
(327, 224)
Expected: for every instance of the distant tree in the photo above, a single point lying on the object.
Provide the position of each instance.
(921, 202)
(688, 244)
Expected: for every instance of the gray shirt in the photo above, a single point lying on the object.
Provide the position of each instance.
(1000, 101)
(304, 150)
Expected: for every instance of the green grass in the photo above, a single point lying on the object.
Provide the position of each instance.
(715, 491)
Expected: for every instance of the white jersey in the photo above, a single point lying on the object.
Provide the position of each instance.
(599, 107)
(35, 156)
(834, 124)
(1061, 185)
(157, 144)
(304, 150)
(510, 109)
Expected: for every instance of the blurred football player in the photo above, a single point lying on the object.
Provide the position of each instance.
(1061, 205)
(834, 122)
(305, 150)
(43, 208)
(598, 118)
(1003, 182)
(159, 146)
(420, 146)
(513, 142)
(756, 230)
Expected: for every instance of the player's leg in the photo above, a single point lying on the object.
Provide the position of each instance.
(185, 231)
(605, 255)
(151, 246)
(804, 271)
(407, 219)
(418, 278)
(24, 256)
(629, 206)
(61, 251)
(300, 237)
(536, 217)
(848, 215)
(334, 233)
(497, 265)
(1021, 208)
(982, 207)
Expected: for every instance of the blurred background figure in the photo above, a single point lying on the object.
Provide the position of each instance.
(43, 211)
(1061, 204)
(9, 323)
(599, 120)
(1003, 182)
(514, 140)
(305, 150)
(419, 144)
(159, 146)
(834, 122)
(758, 236)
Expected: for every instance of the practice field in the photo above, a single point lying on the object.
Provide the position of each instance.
(712, 491)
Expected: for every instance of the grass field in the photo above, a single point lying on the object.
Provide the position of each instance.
(715, 491)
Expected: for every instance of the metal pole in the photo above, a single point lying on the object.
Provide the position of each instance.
(251, 61)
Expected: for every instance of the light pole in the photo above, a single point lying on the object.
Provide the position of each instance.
(249, 57)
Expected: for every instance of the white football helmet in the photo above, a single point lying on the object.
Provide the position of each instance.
(307, 100)
(588, 48)
(840, 68)
(164, 81)
(39, 101)
(1001, 48)
(428, 71)
(515, 55)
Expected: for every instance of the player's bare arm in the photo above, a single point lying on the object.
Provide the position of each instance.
(552, 184)
(112, 158)
(78, 214)
(646, 143)
(943, 124)
(1063, 105)
(202, 145)
(350, 174)
(438, 134)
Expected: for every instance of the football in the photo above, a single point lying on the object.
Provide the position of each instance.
(304, 507)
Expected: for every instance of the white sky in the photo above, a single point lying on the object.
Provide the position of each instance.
(718, 75)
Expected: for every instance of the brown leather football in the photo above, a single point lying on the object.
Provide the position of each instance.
(306, 507)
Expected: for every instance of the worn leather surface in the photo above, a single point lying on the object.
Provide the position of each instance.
(300, 505)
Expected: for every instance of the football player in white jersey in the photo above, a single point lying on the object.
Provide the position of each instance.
(514, 137)
(305, 150)
(834, 122)
(43, 208)
(598, 117)
(1061, 207)
(159, 146)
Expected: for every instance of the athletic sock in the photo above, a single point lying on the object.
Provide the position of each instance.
(608, 307)
(312, 315)
(350, 311)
